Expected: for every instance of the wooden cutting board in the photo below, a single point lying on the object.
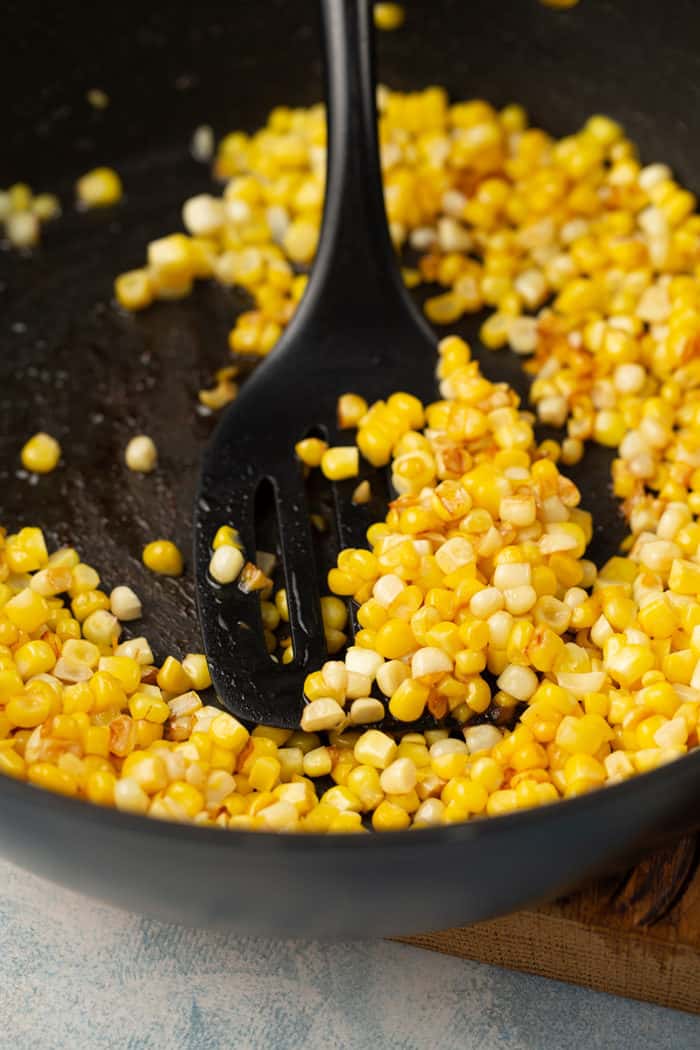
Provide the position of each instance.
(636, 935)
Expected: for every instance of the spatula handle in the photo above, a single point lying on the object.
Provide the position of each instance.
(355, 266)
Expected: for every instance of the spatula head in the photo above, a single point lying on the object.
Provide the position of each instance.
(287, 397)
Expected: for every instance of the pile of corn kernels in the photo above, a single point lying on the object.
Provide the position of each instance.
(475, 598)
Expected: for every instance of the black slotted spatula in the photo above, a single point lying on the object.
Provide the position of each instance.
(355, 329)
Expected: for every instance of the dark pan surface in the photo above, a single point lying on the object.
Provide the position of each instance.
(72, 364)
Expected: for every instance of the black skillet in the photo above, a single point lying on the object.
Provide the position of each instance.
(70, 363)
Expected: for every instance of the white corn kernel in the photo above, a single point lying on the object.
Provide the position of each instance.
(430, 661)
(375, 748)
(324, 713)
(125, 604)
(279, 816)
(486, 602)
(130, 797)
(673, 734)
(399, 777)
(335, 675)
(197, 670)
(429, 813)
(453, 554)
(358, 685)
(520, 682)
(138, 649)
(141, 454)
(363, 661)
(520, 599)
(366, 710)
(392, 673)
(481, 738)
(226, 564)
(513, 574)
(387, 588)
(203, 215)
(22, 229)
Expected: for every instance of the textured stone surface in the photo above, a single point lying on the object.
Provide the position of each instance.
(76, 974)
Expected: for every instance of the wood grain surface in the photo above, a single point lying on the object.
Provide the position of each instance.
(636, 935)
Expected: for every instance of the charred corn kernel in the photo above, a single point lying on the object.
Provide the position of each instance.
(141, 454)
(339, 463)
(311, 451)
(163, 557)
(41, 454)
(99, 188)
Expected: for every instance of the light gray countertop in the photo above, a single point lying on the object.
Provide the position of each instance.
(75, 974)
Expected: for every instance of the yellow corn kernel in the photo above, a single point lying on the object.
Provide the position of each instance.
(311, 451)
(163, 557)
(34, 658)
(133, 290)
(340, 463)
(27, 611)
(41, 454)
(186, 797)
(408, 701)
(390, 817)
(226, 536)
(172, 677)
(99, 188)
(12, 764)
(51, 778)
(388, 16)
